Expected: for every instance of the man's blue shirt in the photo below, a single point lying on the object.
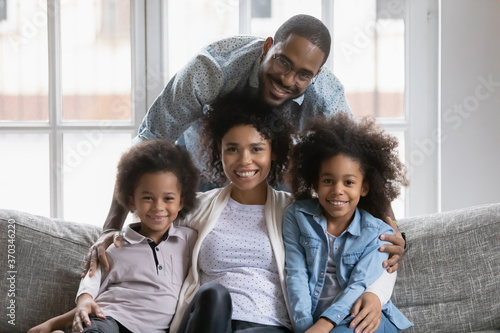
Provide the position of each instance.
(227, 65)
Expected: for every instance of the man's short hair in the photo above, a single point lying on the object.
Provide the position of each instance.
(308, 27)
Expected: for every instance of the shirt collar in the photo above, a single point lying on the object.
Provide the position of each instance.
(253, 80)
(315, 210)
(355, 226)
(133, 237)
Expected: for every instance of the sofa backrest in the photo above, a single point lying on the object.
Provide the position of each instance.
(448, 280)
(46, 257)
(449, 277)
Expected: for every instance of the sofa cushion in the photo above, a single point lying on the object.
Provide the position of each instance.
(47, 258)
(449, 277)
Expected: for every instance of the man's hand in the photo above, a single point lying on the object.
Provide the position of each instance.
(97, 252)
(321, 326)
(396, 250)
(367, 312)
(85, 305)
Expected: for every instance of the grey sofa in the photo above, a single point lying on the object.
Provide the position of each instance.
(448, 281)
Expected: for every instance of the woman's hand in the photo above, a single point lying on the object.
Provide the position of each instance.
(97, 252)
(396, 250)
(321, 326)
(367, 311)
(85, 305)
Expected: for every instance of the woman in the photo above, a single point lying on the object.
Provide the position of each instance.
(239, 245)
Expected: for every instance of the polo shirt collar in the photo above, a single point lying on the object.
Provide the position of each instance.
(133, 237)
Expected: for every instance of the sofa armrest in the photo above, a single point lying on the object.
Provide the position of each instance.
(46, 257)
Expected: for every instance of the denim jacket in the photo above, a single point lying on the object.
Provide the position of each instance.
(358, 262)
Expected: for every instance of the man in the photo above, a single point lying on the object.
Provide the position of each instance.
(286, 72)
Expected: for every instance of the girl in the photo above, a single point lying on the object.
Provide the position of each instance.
(345, 174)
(157, 181)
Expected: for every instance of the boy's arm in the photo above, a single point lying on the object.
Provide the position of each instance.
(61, 322)
(296, 274)
(85, 304)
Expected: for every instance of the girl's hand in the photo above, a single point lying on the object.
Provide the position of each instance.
(321, 326)
(367, 311)
(85, 305)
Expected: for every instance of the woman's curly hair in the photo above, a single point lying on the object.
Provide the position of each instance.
(152, 156)
(239, 109)
(362, 140)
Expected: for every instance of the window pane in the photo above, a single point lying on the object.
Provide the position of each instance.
(24, 173)
(23, 61)
(193, 24)
(89, 172)
(268, 15)
(369, 55)
(96, 60)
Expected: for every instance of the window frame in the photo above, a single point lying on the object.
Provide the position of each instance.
(55, 127)
(150, 73)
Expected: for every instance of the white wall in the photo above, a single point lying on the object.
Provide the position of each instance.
(470, 107)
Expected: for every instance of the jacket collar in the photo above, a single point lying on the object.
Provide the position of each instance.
(315, 210)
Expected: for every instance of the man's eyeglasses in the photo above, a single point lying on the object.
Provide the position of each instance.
(282, 66)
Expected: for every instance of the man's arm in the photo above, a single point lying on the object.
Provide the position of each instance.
(97, 252)
(201, 81)
(397, 249)
(116, 217)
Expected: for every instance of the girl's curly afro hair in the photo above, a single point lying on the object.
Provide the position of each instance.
(362, 140)
(238, 109)
(152, 156)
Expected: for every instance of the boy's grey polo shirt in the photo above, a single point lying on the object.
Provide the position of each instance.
(140, 294)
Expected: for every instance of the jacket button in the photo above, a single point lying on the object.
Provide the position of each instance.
(305, 243)
(316, 293)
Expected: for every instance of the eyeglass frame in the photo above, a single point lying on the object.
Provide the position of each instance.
(277, 58)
